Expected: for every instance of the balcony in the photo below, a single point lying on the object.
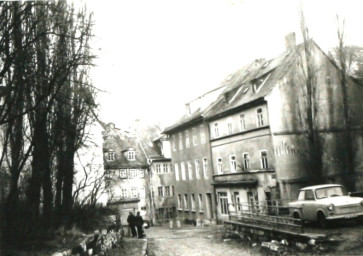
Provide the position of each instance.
(249, 178)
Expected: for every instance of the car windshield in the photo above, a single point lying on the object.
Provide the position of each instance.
(329, 192)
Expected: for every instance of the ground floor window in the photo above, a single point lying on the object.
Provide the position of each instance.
(223, 202)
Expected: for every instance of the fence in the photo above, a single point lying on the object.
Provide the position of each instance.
(268, 214)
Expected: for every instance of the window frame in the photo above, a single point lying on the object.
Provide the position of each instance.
(200, 203)
(246, 161)
(197, 169)
(190, 170)
(131, 155)
(242, 120)
(216, 130)
(176, 170)
(219, 165)
(233, 163)
(264, 160)
(183, 174)
(259, 117)
(205, 167)
(110, 156)
(223, 202)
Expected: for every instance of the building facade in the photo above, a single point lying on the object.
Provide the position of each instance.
(126, 165)
(162, 182)
(260, 133)
(191, 160)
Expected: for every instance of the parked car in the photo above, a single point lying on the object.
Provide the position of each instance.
(324, 203)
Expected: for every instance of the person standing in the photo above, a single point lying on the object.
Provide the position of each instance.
(139, 223)
(131, 219)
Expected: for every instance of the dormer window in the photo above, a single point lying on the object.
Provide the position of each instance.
(110, 156)
(131, 155)
(259, 82)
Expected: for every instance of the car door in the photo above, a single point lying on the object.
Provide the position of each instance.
(309, 206)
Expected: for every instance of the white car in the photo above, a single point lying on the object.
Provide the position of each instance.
(325, 202)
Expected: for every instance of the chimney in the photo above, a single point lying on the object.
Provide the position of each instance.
(290, 41)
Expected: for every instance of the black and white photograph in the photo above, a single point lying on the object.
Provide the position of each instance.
(181, 127)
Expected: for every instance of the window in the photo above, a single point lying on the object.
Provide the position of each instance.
(176, 167)
(140, 173)
(186, 206)
(173, 142)
(160, 191)
(110, 156)
(165, 168)
(193, 202)
(219, 165)
(133, 173)
(242, 121)
(252, 197)
(230, 128)
(172, 191)
(205, 167)
(123, 193)
(237, 201)
(223, 202)
(123, 173)
(246, 162)
(264, 162)
(216, 131)
(259, 117)
(180, 141)
(195, 137)
(197, 171)
(134, 192)
(190, 170)
(200, 202)
(167, 190)
(309, 195)
(142, 192)
(187, 140)
(202, 134)
(182, 166)
(179, 202)
(158, 168)
(131, 155)
(233, 163)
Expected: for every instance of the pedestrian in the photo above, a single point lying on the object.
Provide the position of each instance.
(131, 219)
(139, 223)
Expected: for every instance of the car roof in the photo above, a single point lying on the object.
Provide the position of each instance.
(321, 186)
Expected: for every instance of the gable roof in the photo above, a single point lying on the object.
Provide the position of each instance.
(197, 115)
(240, 91)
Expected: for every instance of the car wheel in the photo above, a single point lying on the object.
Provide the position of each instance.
(322, 220)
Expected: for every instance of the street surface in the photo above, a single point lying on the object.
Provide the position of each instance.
(193, 241)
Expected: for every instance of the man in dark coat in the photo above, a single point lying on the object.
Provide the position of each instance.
(139, 223)
(131, 219)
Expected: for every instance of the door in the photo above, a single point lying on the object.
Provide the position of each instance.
(308, 206)
(209, 205)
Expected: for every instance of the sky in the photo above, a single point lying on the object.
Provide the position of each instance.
(156, 55)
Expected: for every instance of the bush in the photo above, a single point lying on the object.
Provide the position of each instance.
(89, 217)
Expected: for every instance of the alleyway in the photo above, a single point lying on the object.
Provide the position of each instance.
(193, 241)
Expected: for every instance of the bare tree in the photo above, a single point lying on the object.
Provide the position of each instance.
(345, 56)
(310, 105)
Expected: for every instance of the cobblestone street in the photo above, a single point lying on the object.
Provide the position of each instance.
(194, 241)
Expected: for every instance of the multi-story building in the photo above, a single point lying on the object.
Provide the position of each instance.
(162, 182)
(260, 132)
(191, 160)
(126, 163)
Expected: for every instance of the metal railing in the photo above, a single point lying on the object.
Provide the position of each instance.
(268, 214)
